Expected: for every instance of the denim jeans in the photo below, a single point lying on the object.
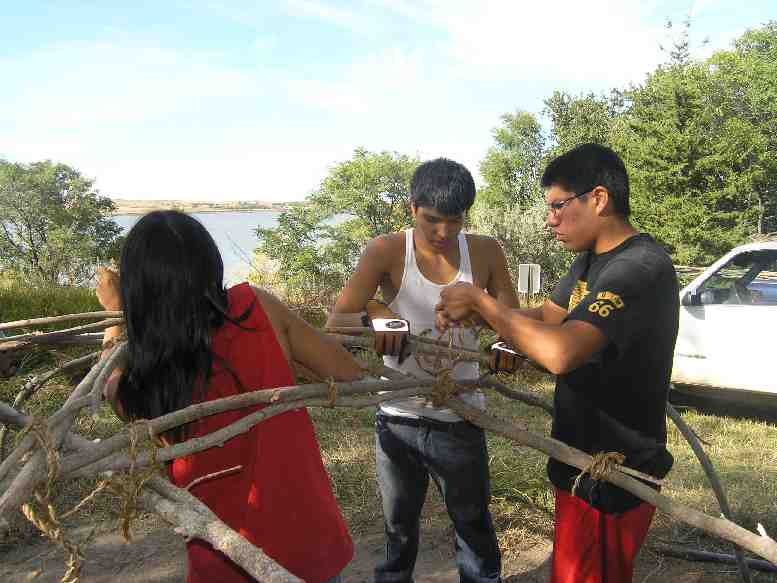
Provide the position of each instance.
(455, 456)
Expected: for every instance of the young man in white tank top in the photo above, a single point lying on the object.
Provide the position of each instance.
(413, 438)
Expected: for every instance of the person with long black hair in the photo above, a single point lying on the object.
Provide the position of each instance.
(190, 340)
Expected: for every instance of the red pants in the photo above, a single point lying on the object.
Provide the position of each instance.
(593, 547)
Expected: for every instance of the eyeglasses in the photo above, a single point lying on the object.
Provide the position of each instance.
(554, 208)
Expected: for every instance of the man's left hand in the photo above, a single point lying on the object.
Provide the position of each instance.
(458, 301)
(108, 292)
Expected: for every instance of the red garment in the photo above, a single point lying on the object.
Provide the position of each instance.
(590, 546)
(281, 500)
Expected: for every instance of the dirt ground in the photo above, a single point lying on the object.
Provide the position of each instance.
(157, 554)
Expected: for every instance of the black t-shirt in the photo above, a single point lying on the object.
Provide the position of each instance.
(616, 402)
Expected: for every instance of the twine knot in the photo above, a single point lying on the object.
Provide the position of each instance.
(332, 392)
(444, 388)
(600, 467)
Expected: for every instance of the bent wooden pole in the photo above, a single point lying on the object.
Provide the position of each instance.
(719, 527)
(24, 341)
(708, 557)
(712, 476)
(32, 323)
(519, 395)
(58, 426)
(37, 382)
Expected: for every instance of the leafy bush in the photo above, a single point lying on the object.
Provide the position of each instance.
(316, 245)
(56, 226)
(525, 239)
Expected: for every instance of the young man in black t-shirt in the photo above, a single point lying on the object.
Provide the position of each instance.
(608, 331)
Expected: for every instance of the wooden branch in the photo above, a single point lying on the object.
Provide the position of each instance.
(88, 339)
(520, 395)
(95, 460)
(36, 383)
(392, 374)
(161, 424)
(21, 341)
(97, 393)
(189, 515)
(719, 527)
(13, 418)
(426, 346)
(58, 426)
(713, 478)
(79, 339)
(191, 518)
(348, 330)
(59, 319)
(709, 557)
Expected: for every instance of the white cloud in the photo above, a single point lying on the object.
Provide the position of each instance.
(75, 86)
(386, 82)
(699, 6)
(602, 42)
(341, 17)
(250, 171)
(154, 122)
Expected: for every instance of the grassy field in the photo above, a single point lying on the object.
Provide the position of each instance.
(744, 452)
(19, 302)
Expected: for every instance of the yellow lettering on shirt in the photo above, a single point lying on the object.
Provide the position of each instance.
(614, 298)
(578, 293)
(605, 303)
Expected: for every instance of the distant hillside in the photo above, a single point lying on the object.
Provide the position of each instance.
(139, 207)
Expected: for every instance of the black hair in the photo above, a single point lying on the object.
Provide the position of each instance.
(172, 291)
(587, 166)
(444, 185)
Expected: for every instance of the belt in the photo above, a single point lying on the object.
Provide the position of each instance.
(421, 422)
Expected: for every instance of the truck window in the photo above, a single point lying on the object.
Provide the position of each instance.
(750, 278)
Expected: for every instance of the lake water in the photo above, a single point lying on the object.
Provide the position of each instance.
(234, 233)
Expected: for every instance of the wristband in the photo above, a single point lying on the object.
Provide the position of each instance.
(503, 358)
(391, 337)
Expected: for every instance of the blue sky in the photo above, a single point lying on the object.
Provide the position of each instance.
(255, 100)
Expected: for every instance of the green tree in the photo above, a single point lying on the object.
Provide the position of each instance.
(510, 207)
(745, 104)
(579, 120)
(524, 238)
(667, 148)
(512, 166)
(699, 139)
(316, 245)
(54, 227)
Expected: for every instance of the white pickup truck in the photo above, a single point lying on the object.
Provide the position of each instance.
(728, 321)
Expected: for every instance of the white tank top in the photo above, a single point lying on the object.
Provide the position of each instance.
(415, 302)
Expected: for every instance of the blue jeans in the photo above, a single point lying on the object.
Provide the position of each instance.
(455, 455)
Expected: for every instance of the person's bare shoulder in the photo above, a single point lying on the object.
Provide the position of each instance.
(384, 249)
(483, 248)
(389, 241)
(275, 309)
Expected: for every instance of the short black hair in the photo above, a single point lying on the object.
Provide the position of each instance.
(587, 166)
(444, 185)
